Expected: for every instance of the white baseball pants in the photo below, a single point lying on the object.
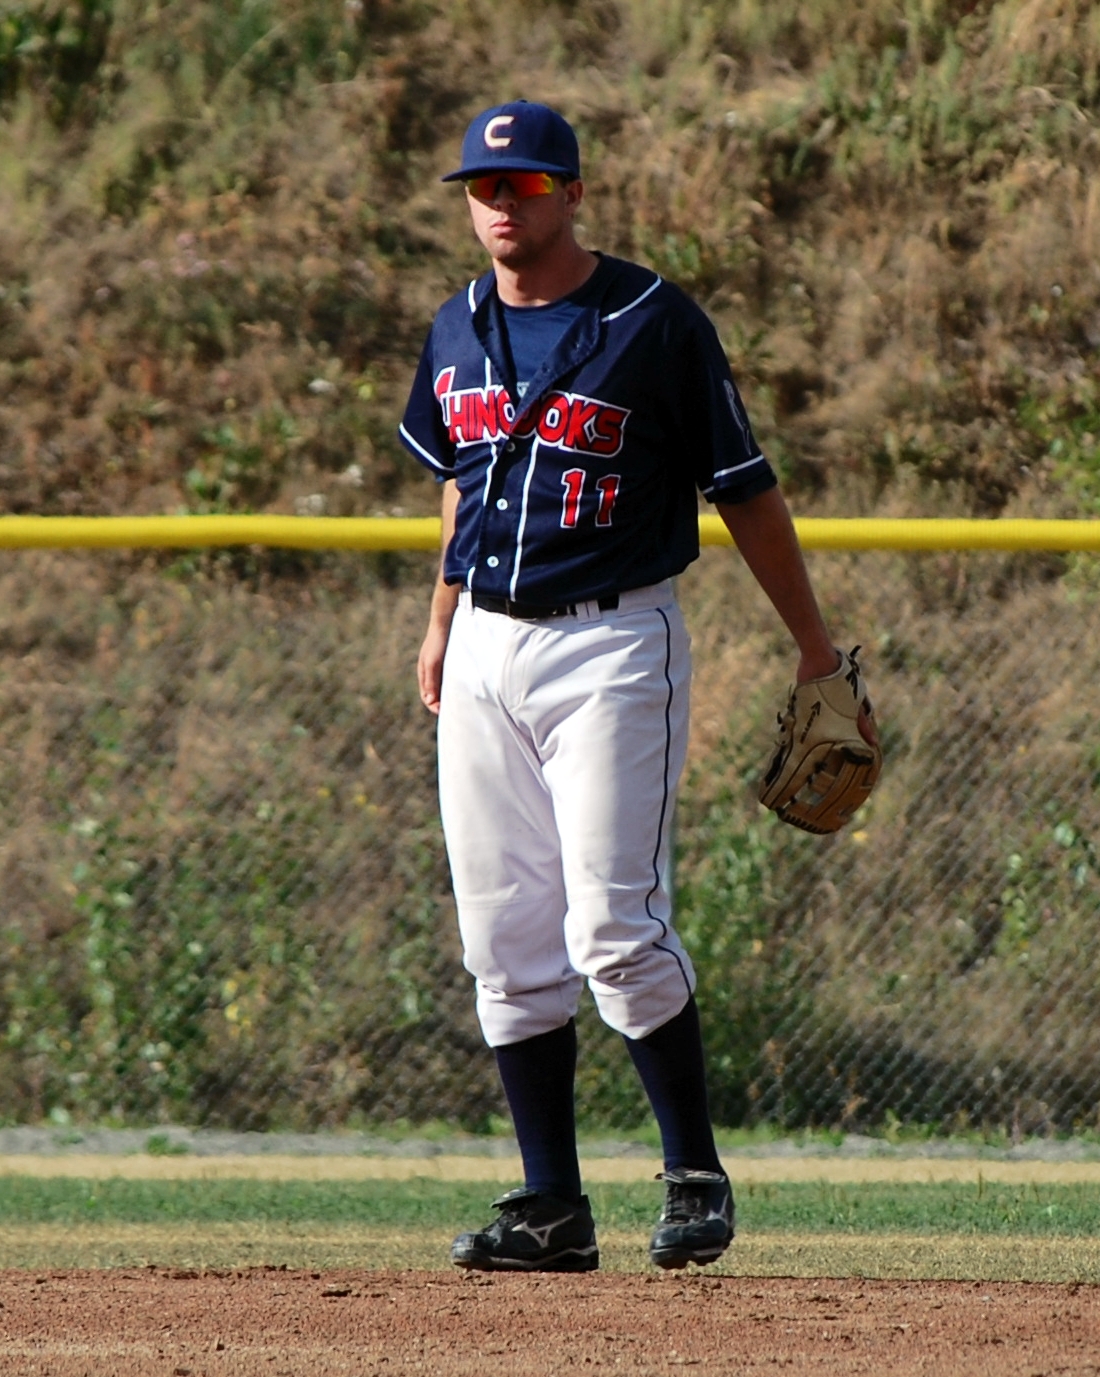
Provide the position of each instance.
(561, 745)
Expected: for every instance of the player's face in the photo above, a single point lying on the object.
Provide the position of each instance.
(518, 230)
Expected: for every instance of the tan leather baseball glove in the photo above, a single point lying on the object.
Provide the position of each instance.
(822, 767)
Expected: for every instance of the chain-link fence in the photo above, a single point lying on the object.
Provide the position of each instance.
(224, 897)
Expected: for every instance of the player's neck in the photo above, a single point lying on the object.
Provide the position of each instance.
(546, 279)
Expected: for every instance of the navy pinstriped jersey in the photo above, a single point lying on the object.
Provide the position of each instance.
(589, 486)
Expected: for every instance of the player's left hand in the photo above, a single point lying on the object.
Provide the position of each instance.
(811, 667)
(826, 759)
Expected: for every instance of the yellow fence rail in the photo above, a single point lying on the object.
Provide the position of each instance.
(423, 533)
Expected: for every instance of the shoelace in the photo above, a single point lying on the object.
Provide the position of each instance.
(684, 1204)
(515, 1214)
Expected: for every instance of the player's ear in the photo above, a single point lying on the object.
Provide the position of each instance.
(574, 195)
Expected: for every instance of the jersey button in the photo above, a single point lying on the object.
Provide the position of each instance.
(509, 447)
(492, 561)
(502, 504)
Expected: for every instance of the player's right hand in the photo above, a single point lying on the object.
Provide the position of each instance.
(429, 669)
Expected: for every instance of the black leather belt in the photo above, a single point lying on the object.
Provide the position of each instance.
(537, 612)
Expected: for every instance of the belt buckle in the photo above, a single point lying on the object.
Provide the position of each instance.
(553, 614)
(531, 612)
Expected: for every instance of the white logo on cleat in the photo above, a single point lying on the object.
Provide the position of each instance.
(542, 1234)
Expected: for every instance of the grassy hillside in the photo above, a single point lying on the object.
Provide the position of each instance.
(222, 233)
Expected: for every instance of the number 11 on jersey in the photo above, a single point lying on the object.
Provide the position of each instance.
(607, 489)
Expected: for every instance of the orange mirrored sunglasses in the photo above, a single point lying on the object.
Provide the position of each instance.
(523, 184)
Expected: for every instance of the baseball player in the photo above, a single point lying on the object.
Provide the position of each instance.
(573, 405)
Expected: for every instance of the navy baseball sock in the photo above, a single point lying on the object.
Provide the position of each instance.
(538, 1075)
(670, 1063)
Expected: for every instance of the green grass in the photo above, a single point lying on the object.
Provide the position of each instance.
(961, 1209)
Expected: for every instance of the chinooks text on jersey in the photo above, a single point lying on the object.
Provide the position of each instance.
(566, 420)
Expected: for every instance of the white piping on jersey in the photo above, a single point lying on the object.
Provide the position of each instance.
(494, 451)
(514, 583)
(747, 464)
(614, 316)
(493, 448)
(489, 467)
(725, 473)
(636, 302)
(411, 439)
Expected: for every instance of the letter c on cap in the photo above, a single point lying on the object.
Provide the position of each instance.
(492, 138)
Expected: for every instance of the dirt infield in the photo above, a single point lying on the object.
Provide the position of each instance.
(271, 1299)
(160, 1323)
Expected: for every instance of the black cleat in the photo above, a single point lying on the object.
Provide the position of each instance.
(533, 1233)
(697, 1222)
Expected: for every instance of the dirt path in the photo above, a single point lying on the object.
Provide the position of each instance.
(364, 1324)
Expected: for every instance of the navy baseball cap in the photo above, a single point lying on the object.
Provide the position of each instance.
(521, 136)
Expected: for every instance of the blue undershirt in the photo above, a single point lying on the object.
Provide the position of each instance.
(533, 332)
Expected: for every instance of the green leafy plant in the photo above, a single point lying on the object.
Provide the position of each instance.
(58, 47)
(236, 473)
